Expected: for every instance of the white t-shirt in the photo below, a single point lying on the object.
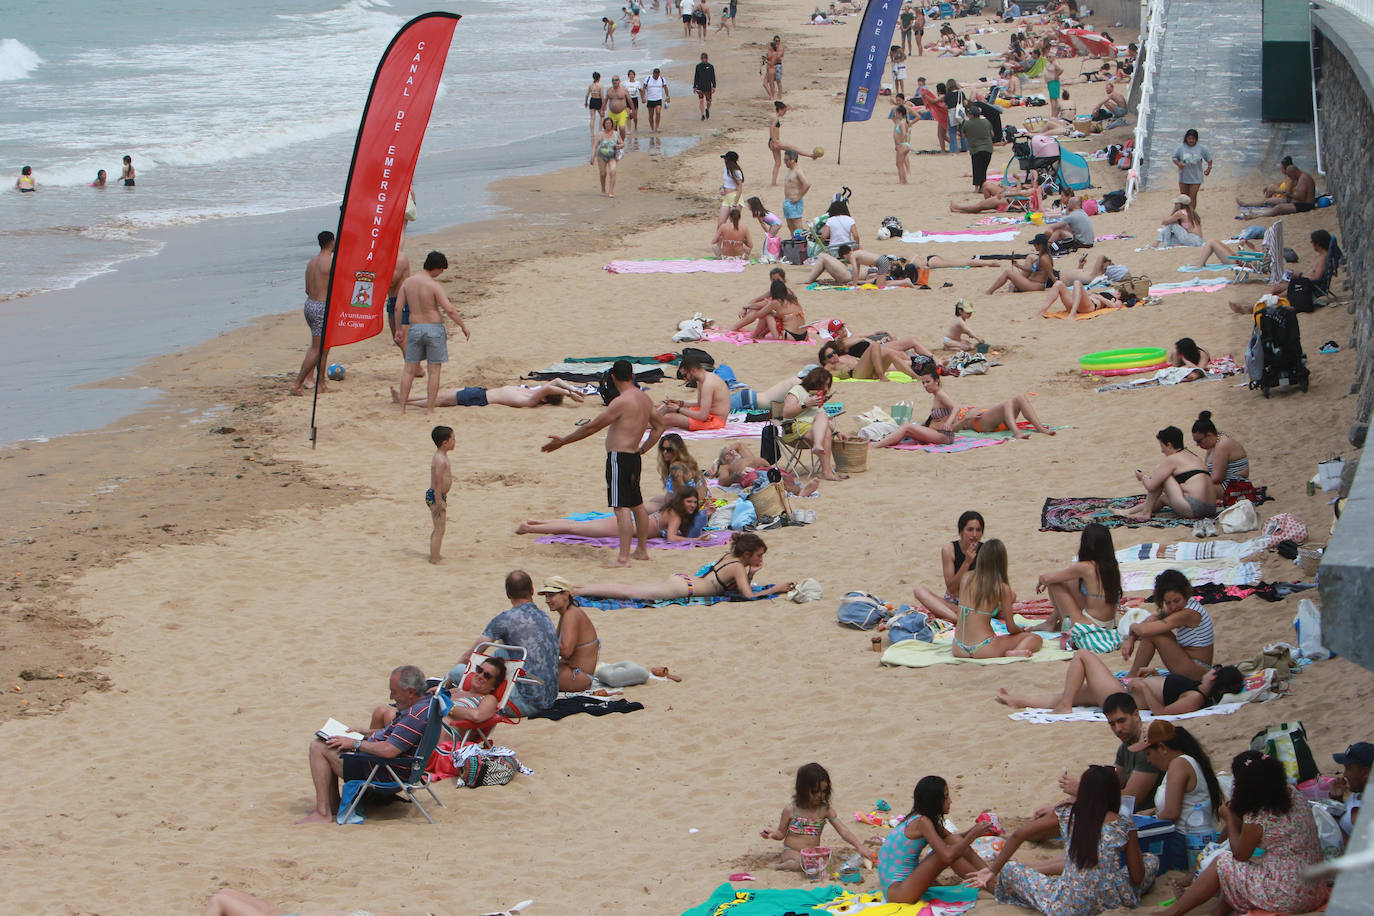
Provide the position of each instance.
(687, 7)
(632, 87)
(653, 88)
(841, 230)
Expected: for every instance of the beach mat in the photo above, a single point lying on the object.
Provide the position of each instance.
(615, 604)
(592, 372)
(678, 266)
(1084, 316)
(913, 653)
(960, 444)
(1074, 513)
(962, 235)
(742, 338)
(714, 539)
(1093, 714)
(731, 430)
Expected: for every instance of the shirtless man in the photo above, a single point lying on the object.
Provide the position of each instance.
(618, 105)
(316, 289)
(713, 400)
(578, 645)
(1299, 197)
(629, 415)
(994, 198)
(423, 330)
(794, 188)
(775, 143)
(440, 482)
(551, 392)
(398, 276)
(1034, 274)
(779, 51)
(634, 28)
(1053, 73)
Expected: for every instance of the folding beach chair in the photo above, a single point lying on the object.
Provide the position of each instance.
(506, 709)
(394, 775)
(1326, 291)
(797, 454)
(1265, 264)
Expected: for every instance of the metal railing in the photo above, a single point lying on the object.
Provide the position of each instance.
(1360, 9)
(1152, 36)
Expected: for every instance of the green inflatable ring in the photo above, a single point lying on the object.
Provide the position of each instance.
(1129, 358)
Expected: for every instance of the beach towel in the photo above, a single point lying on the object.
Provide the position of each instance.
(913, 653)
(679, 266)
(1218, 368)
(1074, 513)
(865, 288)
(1193, 268)
(614, 604)
(733, 429)
(1210, 549)
(585, 703)
(1139, 575)
(580, 371)
(1114, 237)
(892, 376)
(920, 237)
(712, 539)
(1084, 316)
(1093, 714)
(960, 444)
(743, 338)
(1195, 285)
(938, 900)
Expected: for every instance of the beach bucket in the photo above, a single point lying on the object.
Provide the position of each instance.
(770, 500)
(814, 860)
(983, 348)
(851, 455)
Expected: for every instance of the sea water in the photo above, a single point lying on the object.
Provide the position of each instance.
(240, 119)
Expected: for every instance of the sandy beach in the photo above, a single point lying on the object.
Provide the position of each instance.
(193, 590)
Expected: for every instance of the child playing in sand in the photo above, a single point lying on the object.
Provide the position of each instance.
(440, 480)
(805, 816)
(902, 879)
(958, 336)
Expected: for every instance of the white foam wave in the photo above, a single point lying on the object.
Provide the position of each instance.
(17, 60)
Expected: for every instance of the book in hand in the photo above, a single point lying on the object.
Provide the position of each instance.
(336, 729)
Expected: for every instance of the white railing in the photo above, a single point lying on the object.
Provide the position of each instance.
(1152, 37)
(1360, 9)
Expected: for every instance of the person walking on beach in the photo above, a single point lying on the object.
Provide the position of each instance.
(426, 339)
(704, 85)
(440, 482)
(794, 188)
(316, 289)
(592, 101)
(398, 276)
(618, 106)
(978, 133)
(1189, 157)
(633, 86)
(629, 415)
(656, 98)
(701, 18)
(687, 7)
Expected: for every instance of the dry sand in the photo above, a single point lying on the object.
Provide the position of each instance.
(229, 590)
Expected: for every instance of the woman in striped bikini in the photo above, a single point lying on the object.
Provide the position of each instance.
(1226, 458)
(1181, 632)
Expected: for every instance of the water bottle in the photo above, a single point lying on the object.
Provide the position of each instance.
(1199, 832)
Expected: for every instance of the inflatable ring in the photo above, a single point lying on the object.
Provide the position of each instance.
(1157, 366)
(1129, 358)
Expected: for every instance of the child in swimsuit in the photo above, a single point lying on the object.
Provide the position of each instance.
(900, 876)
(804, 818)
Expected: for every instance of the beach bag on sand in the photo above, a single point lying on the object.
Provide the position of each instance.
(1239, 516)
(486, 771)
(1113, 201)
(911, 625)
(1288, 742)
(860, 611)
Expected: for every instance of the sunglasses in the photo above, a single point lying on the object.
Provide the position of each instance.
(485, 674)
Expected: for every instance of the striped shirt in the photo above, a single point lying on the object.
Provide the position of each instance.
(1199, 636)
(406, 730)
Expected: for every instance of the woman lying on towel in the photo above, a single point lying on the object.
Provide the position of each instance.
(732, 576)
(949, 417)
(1077, 298)
(778, 317)
(986, 594)
(873, 362)
(1187, 353)
(1180, 482)
(1087, 592)
(1180, 631)
(736, 464)
(680, 519)
(1089, 681)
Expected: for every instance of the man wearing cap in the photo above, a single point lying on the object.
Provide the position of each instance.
(713, 398)
(1357, 760)
(524, 625)
(578, 645)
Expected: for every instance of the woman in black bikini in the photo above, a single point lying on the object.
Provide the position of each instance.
(593, 100)
(1089, 681)
(1179, 482)
(731, 575)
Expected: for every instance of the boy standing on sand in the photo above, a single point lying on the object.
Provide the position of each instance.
(629, 415)
(794, 188)
(426, 339)
(440, 481)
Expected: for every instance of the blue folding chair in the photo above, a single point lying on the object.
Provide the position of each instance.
(390, 776)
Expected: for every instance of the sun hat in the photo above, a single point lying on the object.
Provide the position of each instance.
(555, 584)
(1361, 753)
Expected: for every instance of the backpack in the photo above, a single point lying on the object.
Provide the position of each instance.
(1288, 742)
(1113, 153)
(1114, 201)
(860, 611)
(769, 450)
(893, 225)
(605, 386)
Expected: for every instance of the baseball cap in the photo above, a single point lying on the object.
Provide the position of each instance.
(1159, 731)
(834, 327)
(555, 584)
(1361, 753)
(730, 155)
(1040, 239)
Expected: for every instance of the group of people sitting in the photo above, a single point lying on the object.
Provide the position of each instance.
(1184, 482)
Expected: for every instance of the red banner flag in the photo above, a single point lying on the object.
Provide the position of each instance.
(384, 157)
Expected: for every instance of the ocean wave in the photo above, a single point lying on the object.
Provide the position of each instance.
(17, 60)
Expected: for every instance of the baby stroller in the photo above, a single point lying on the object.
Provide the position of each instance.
(1041, 155)
(1274, 355)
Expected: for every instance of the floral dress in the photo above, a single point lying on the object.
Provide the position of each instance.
(1078, 891)
(1272, 881)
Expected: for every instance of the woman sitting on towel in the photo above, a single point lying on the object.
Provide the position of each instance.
(1180, 631)
(778, 317)
(472, 707)
(732, 239)
(986, 594)
(732, 576)
(1182, 226)
(1226, 458)
(1179, 482)
(1089, 681)
(1102, 867)
(1087, 592)
(680, 519)
(999, 418)
(959, 558)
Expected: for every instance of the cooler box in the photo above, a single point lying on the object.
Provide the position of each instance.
(794, 250)
(1152, 832)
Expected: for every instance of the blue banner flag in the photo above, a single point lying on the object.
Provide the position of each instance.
(870, 57)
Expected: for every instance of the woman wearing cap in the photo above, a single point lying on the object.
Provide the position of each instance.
(1264, 813)
(578, 645)
(1188, 793)
(1034, 274)
(1188, 158)
(1182, 226)
(731, 185)
(1089, 681)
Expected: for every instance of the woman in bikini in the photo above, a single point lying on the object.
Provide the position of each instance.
(779, 317)
(1186, 353)
(775, 144)
(901, 139)
(579, 648)
(478, 703)
(680, 519)
(959, 558)
(873, 362)
(986, 594)
(998, 418)
(1180, 631)
(732, 576)
(676, 469)
(592, 101)
(732, 240)
(1226, 459)
(1087, 592)
(1179, 482)
(1089, 681)
(1033, 274)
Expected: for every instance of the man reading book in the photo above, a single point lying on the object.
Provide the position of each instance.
(343, 757)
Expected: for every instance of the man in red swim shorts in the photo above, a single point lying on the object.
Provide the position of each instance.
(713, 399)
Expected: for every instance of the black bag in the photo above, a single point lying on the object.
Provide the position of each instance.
(769, 450)
(1302, 294)
(1113, 201)
(1114, 153)
(606, 388)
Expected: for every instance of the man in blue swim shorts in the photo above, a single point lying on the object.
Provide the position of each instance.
(551, 392)
(426, 340)
(794, 188)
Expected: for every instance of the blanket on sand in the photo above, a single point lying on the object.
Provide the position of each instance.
(913, 653)
(1093, 714)
(612, 604)
(678, 266)
(960, 444)
(946, 900)
(573, 704)
(1074, 513)
(961, 235)
(1084, 316)
(743, 338)
(709, 539)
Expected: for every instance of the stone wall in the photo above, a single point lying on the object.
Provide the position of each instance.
(1107, 12)
(1346, 120)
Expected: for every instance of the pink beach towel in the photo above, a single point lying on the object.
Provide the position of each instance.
(962, 235)
(678, 266)
(713, 539)
(960, 444)
(736, 430)
(743, 338)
